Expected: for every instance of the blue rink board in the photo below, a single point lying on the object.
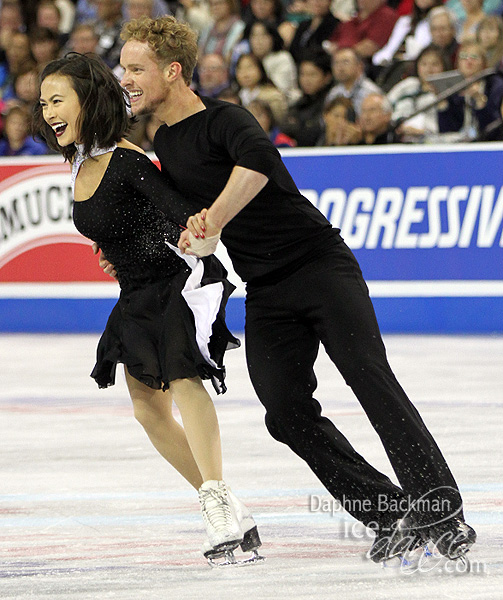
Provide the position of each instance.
(395, 315)
(409, 214)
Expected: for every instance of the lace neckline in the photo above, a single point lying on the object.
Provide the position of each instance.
(80, 157)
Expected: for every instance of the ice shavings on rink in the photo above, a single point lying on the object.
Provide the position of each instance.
(88, 510)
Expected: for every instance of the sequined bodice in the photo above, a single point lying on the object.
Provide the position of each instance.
(131, 216)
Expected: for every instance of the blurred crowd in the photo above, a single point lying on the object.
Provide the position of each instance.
(312, 72)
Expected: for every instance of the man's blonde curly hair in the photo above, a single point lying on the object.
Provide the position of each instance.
(170, 41)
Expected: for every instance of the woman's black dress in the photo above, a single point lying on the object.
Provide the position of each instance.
(169, 322)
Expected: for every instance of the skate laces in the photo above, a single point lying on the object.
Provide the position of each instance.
(215, 507)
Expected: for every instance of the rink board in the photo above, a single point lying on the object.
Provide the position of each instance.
(425, 224)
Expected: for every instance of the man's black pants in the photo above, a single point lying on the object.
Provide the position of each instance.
(327, 301)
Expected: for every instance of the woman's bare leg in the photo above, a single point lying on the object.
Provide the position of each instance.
(153, 409)
(200, 424)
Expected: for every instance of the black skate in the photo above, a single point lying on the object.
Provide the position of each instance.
(453, 538)
(226, 558)
(395, 542)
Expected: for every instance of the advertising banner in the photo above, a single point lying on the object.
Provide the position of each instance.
(49, 277)
(425, 224)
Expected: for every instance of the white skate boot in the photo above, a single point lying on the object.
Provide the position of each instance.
(251, 540)
(219, 515)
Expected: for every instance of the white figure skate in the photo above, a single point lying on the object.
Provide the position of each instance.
(219, 515)
(251, 541)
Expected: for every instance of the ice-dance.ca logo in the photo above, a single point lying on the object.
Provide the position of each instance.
(429, 536)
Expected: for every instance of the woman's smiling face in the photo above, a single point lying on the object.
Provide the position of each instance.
(60, 108)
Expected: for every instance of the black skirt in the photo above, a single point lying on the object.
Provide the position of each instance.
(170, 329)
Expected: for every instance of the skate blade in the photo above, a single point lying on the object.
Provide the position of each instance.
(227, 559)
(461, 552)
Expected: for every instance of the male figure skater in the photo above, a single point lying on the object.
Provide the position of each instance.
(304, 287)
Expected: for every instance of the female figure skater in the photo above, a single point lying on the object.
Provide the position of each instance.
(168, 326)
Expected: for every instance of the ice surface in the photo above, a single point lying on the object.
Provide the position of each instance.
(88, 510)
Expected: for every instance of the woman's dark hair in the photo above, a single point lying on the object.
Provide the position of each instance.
(432, 49)
(344, 102)
(277, 41)
(319, 58)
(103, 119)
(264, 79)
(278, 12)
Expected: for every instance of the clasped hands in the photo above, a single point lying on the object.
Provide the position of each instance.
(199, 239)
(201, 236)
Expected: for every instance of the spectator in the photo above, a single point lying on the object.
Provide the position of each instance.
(262, 111)
(45, 45)
(345, 10)
(475, 110)
(375, 121)
(410, 35)
(267, 45)
(295, 13)
(18, 57)
(263, 10)
(474, 14)
(311, 34)
(26, 86)
(443, 28)
(213, 75)
(56, 15)
(47, 15)
(83, 39)
(11, 22)
(456, 7)
(222, 35)
(17, 140)
(304, 120)
(195, 13)
(490, 37)
(368, 31)
(414, 93)
(108, 29)
(135, 9)
(349, 73)
(254, 84)
(87, 10)
(340, 128)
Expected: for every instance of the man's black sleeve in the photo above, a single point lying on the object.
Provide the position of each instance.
(237, 130)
